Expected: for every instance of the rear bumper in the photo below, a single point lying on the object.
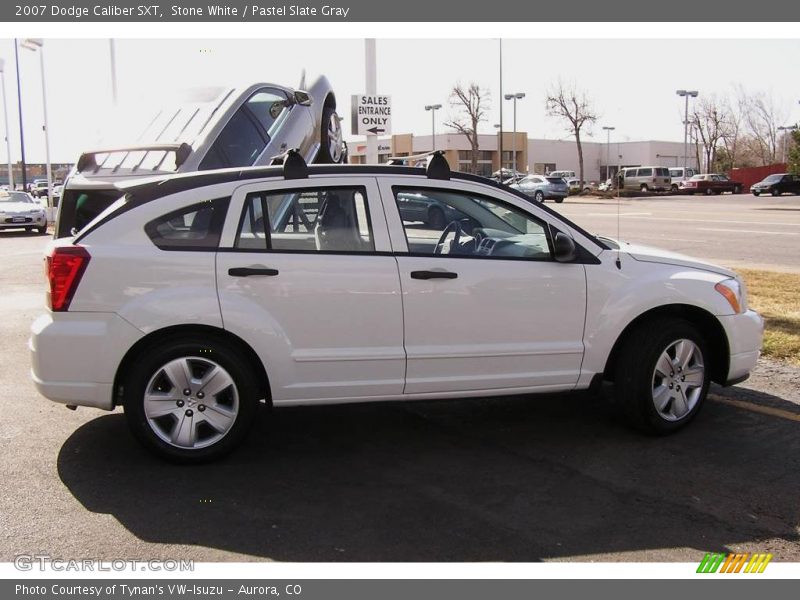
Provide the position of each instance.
(75, 356)
(745, 334)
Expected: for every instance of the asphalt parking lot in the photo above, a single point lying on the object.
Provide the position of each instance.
(514, 479)
(733, 230)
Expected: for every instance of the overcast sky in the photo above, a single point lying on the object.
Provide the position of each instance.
(631, 82)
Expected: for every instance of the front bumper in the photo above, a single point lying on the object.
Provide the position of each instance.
(75, 356)
(8, 221)
(745, 333)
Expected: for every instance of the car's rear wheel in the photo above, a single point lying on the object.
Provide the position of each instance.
(709, 191)
(737, 189)
(756, 194)
(673, 188)
(661, 375)
(331, 148)
(643, 188)
(42, 230)
(539, 196)
(190, 400)
(559, 200)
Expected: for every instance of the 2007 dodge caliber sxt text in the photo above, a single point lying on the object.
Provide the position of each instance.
(194, 297)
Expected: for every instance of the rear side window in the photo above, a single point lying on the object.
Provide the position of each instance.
(662, 172)
(644, 173)
(321, 220)
(195, 227)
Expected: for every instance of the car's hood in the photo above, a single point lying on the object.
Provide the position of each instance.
(658, 255)
(18, 207)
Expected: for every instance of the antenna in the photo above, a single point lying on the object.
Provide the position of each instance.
(618, 262)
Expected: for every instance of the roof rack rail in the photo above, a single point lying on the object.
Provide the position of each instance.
(294, 165)
(436, 167)
(182, 151)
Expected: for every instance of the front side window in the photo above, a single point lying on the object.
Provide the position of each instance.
(447, 222)
(319, 219)
(266, 106)
(195, 227)
(239, 144)
(645, 173)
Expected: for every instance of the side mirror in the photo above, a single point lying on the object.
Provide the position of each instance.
(302, 98)
(564, 248)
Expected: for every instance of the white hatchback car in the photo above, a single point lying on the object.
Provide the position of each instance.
(194, 297)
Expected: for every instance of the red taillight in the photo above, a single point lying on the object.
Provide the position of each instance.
(65, 266)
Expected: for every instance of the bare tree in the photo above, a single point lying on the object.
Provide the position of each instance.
(472, 102)
(574, 107)
(762, 118)
(711, 122)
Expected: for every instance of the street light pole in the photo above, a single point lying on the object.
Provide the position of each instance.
(433, 108)
(608, 131)
(5, 118)
(514, 97)
(686, 94)
(785, 135)
(34, 44)
(21, 133)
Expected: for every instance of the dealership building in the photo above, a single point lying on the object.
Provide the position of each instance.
(540, 156)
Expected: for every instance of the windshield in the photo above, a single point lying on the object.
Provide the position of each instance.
(17, 197)
(773, 178)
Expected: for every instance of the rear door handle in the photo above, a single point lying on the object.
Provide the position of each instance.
(249, 271)
(433, 275)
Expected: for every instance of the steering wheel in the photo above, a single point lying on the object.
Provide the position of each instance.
(452, 226)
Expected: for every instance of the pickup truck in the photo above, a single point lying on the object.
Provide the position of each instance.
(710, 183)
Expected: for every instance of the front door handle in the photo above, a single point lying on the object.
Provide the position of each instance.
(433, 275)
(249, 271)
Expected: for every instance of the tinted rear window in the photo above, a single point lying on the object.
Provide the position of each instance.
(662, 172)
(195, 227)
(645, 173)
(79, 207)
(555, 180)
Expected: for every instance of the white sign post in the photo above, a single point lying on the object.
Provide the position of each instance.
(371, 114)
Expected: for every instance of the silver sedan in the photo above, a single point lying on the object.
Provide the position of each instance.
(541, 188)
(19, 210)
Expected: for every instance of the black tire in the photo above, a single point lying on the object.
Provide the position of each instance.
(776, 192)
(42, 230)
(756, 194)
(709, 191)
(673, 188)
(643, 188)
(737, 189)
(634, 373)
(326, 156)
(538, 196)
(559, 200)
(150, 362)
(436, 218)
(29, 229)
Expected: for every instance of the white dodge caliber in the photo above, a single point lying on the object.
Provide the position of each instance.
(194, 297)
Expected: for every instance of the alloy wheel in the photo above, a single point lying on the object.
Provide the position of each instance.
(191, 402)
(678, 380)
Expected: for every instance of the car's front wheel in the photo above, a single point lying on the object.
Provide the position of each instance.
(190, 400)
(661, 375)
(776, 192)
(539, 196)
(331, 146)
(756, 194)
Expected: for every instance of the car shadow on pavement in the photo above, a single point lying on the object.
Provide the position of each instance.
(506, 479)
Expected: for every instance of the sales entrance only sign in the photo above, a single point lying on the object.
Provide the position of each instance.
(371, 115)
